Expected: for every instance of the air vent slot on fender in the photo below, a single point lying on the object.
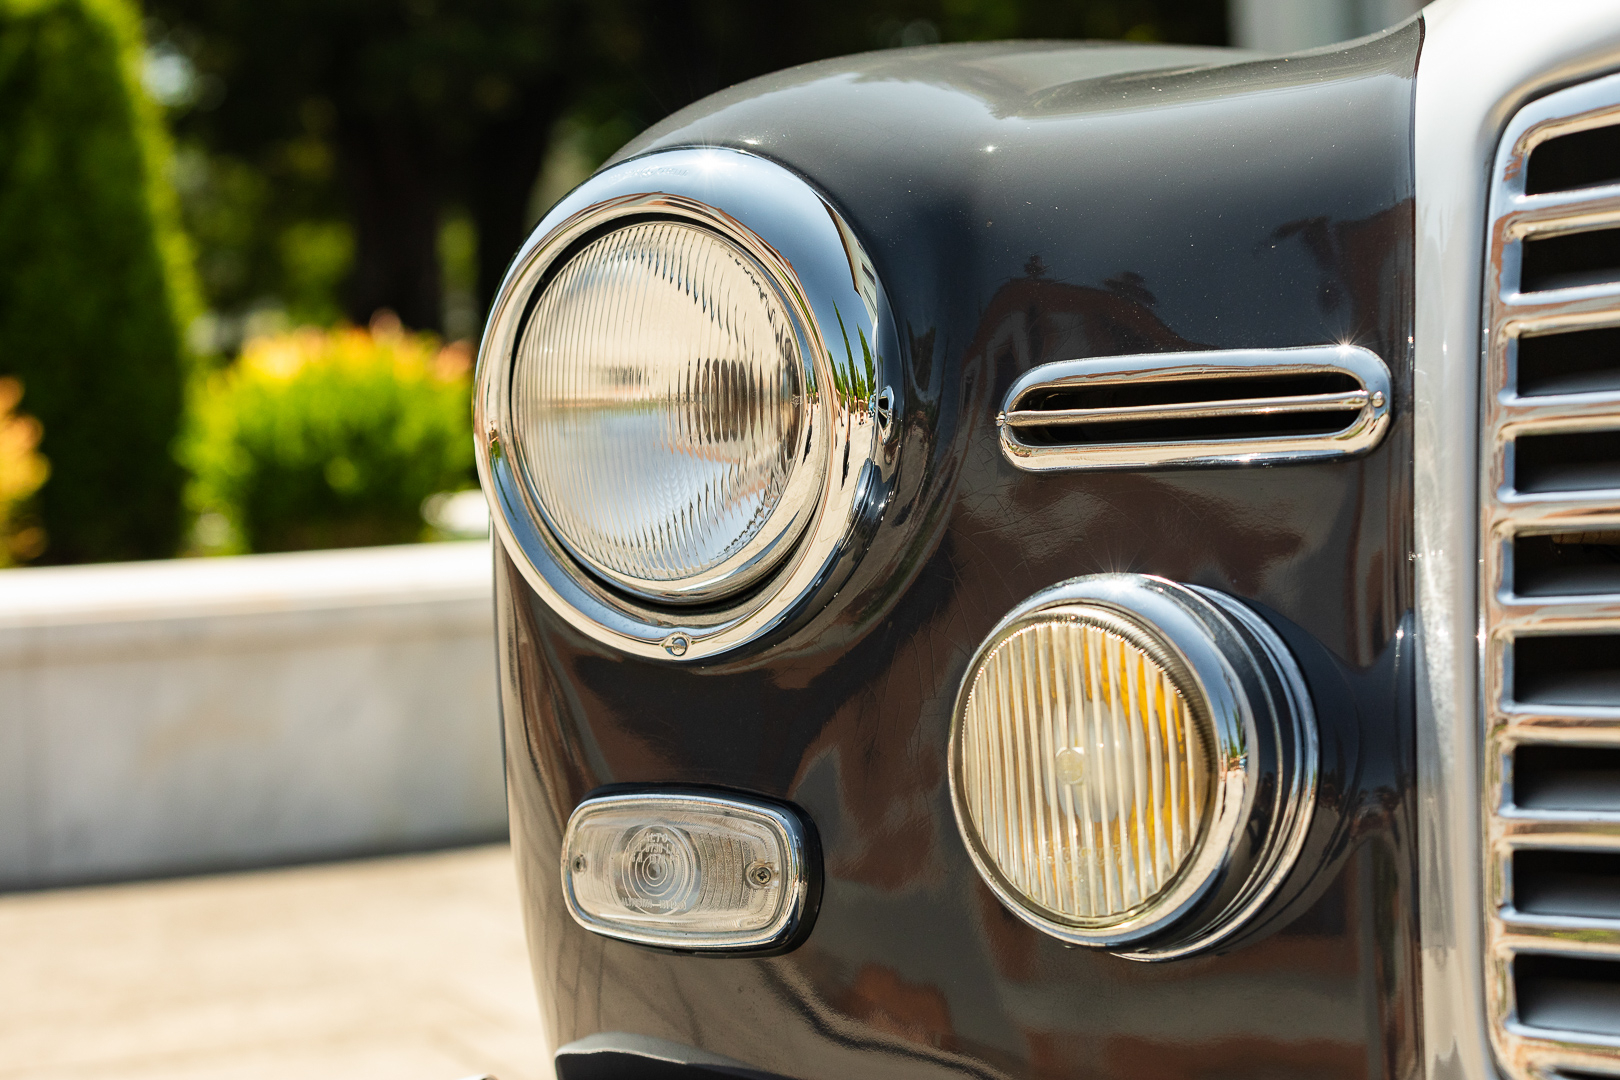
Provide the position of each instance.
(1237, 407)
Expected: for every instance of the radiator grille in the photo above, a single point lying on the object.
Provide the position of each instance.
(1551, 588)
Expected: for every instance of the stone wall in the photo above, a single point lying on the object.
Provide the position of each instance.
(191, 715)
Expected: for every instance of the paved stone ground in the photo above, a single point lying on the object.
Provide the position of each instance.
(410, 968)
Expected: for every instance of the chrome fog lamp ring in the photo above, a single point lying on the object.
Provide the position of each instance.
(1133, 764)
(813, 269)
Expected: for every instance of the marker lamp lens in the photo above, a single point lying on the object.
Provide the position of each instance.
(661, 406)
(685, 871)
(1084, 769)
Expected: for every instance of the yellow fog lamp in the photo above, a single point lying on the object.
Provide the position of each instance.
(691, 871)
(1133, 763)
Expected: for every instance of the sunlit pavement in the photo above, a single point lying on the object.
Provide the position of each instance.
(410, 968)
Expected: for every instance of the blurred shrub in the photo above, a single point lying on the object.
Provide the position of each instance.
(22, 471)
(328, 438)
(95, 285)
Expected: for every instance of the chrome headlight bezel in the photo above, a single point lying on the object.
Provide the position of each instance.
(819, 267)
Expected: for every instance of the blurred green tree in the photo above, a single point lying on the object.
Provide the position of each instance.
(95, 278)
(401, 114)
(420, 104)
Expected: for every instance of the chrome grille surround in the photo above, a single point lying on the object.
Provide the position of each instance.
(1524, 1051)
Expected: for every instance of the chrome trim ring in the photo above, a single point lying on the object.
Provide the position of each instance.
(1238, 676)
(826, 279)
(1296, 802)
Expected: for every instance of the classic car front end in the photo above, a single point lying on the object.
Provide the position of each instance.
(1052, 560)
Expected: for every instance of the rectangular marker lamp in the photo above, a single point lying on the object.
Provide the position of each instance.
(686, 871)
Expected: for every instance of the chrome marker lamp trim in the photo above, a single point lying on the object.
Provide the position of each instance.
(1364, 408)
(1251, 704)
(788, 871)
(821, 274)
(1513, 719)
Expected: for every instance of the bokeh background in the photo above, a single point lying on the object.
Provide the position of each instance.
(246, 245)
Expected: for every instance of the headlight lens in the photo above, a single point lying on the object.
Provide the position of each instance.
(1085, 770)
(663, 413)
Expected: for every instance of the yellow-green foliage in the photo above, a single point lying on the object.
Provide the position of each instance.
(22, 471)
(95, 282)
(328, 438)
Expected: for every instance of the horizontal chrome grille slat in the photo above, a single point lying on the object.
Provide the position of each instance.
(1567, 935)
(1552, 1058)
(1566, 212)
(1531, 718)
(1560, 614)
(1582, 726)
(1575, 511)
(1560, 202)
(1554, 829)
(1544, 308)
(1559, 412)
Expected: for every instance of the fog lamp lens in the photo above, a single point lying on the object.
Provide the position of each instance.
(1085, 764)
(1134, 763)
(662, 413)
(688, 871)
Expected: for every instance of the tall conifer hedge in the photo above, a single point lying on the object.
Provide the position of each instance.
(94, 276)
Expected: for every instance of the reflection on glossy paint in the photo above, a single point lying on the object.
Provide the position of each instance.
(918, 1013)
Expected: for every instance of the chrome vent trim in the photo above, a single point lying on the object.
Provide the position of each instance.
(1550, 521)
(1133, 412)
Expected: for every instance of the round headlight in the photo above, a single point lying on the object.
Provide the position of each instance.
(1133, 759)
(686, 405)
(661, 412)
